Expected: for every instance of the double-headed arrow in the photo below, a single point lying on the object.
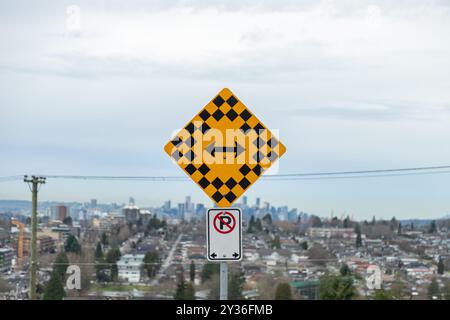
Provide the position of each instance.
(214, 255)
(237, 149)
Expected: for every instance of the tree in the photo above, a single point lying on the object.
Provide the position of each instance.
(276, 242)
(382, 295)
(393, 224)
(346, 223)
(304, 245)
(4, 285)
(446, 291)
(316, 222)
(432, 228)
(72, 245)
(345, 270)
(358, 242)
(68, 220)
(185, 290)
(258, 224)
(104, 239)
(398, 287)
(267, 219)
(152, 263)
(98, 251)
(235, 285)
(209, 269)
(54, 289)
(433, 289)
(112, 257)
(441, 266)
(60, 265)
(334, 287)
(283, 292)
(192, 271)
(189, 292)
(318, 254)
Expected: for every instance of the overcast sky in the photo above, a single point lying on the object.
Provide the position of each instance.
(98, 87)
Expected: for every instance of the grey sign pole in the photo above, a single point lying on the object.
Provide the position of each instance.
(223, 281)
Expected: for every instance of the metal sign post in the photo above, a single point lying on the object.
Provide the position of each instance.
(223, 281)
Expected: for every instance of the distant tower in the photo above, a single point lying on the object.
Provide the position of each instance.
(244, 200)
(131, 202)
(258, 202)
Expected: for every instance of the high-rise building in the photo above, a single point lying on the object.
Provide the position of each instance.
(6, 257)
(131, 202)
(181, 210)
(188, 206)
(258, 202)
(244, 200)
(93, 203)
(131, 212)
(60, 212)
(167, 206)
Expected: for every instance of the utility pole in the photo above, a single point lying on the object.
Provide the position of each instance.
(33, 183)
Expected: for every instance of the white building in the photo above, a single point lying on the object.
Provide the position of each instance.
(130, 267)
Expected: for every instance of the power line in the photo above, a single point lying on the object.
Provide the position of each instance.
(289, 176)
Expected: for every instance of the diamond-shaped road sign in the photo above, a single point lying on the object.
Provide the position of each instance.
(225, 148)
(224, 234)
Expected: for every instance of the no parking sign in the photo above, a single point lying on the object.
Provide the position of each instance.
(224, 234)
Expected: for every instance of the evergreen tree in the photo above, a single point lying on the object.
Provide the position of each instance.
(61, 264)
(189, 292)
(283, 292)
(258, 225)
(336, 288)
(345, 270)
(432, 228)
(192, 271)
(54, 289)
(358, 236)
(304, 245)
(72, 245)
(112, 257)
(104, 239)
(441, 266)
(235, 285)
(433, 289)
(346, 222)
(67, 220)
(276, 242)
(446, 291)
(152, 263)
(185, 290)
(209, 269)
(98, 251)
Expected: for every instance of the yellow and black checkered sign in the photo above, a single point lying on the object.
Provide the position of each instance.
(225, 148)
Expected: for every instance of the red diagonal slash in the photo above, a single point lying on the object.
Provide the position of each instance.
(220, 218)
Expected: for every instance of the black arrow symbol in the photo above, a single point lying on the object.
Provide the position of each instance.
(235, 255)
(237, 149)
(214, 255)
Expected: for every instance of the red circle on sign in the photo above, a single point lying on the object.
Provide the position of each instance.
(217, 218)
